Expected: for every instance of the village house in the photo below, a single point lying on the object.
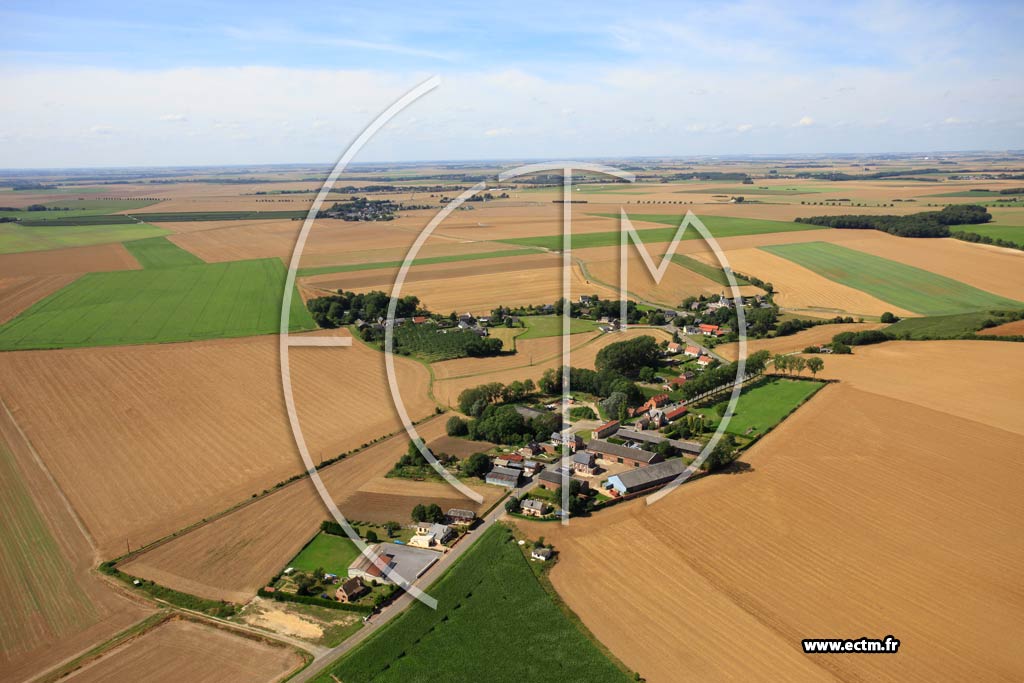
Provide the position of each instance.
(350, 590)
(530, 449)
(624, 455)
(532, 467)
(574, 441)
(673, 348)
(430, 535)
(460, 517)
(534, 508)
(651, 403)
(710, 330)
(390, 564)
(673, 414)
(503, 476)
(691, 351)
(705, 361)
(583, 462)
(607, 429)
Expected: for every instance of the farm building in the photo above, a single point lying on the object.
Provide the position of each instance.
(583, 462)
(532, 467)
(574, 441)
(534, 508)
(607, 429)
(552, 479)
(690, 447)
(623, 454)
(350, 589)
(460, 517)
(400, 563)
(675, 413)
(646, 478)
(543, 554)
(503, 476)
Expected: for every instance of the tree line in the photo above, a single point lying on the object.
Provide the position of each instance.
(921, 224)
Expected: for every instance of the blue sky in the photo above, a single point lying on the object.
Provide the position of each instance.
(114, 83)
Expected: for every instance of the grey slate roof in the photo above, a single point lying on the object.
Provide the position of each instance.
(608, 448)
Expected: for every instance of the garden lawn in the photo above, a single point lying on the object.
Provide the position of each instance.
(905, 286)
(160, 252)
(491, 592)
(331, 553)
(762, 407)
(719, 226)
(538, 326)
(186, 303)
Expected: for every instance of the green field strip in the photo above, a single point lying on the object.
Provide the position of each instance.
(716, 275)
(192, 216)
(160, 252)
(425, 261)
(15, 238)
(907, 287)
(1010, 233)
(156, 305)
(719, 226)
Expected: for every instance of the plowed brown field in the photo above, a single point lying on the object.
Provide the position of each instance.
(180, 650)
(862, 514)
(231, 557)
(148, 439)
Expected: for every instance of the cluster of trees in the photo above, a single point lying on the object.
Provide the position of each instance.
(439, 344)
(789, 327)
(601, 383)
(344, 308)
(877, 175)
(922, 224)
(712, 378)
(862, 338)
(414, 464)
(627, 357)
(428, 513)
(472, 401)
(503, 424)
(797, 364)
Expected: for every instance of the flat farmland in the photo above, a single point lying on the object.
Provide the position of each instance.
(1009, 233)
(528, 351)
(185, 303)
(232, 556)
(1000, 271)
(801, 289)
(158, 252)
(182, 650)
(54, 606)
(103, 257)
(18, 293)
(173, 433)
(770, 556)
(911, 288)
(1006, 329)
(15, 238)
(820, 334)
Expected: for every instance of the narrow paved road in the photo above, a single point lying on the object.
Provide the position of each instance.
(324, 659)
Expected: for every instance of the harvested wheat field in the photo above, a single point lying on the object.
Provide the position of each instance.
(860, 515)
(820, 334)
(54, 605)
(582, 355)
(1004, 330)
(1000, 271)
(475, 286)
(528, 351)
(18, 293)
(603, 265)
(172, 433)
(232, 556)
(93, 259)
(800, 289)
(181, 650)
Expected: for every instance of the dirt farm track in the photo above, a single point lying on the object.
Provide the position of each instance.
(875, 525)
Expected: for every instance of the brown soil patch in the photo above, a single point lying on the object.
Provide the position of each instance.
(148, 439)
(231, 557)
(97, 258)
(1006, 329)
(862, 514)
(180, 650)
(821, 334)
(18, 293)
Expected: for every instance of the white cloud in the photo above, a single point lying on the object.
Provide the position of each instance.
(952, 120)
(805, 121)
(174, 118)
(744, 127)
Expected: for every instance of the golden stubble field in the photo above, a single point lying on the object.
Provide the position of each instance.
(871, 511)
(820, 334)
(232, 556)
(145, 440)
(182, 650)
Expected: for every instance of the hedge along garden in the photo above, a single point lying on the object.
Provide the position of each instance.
(171, 304)
(490, 590)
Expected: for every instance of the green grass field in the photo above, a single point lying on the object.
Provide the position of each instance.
(15, 238)
(905, 286)
(378, 265)
(974, 193)
(719, 226)
(493, 622)
(538, 326)
(710, 272)
(73, 208)
(39, 584)
(1010, 233)
(160, 252)
(944, 326)
(186, 303)
(764, 406)
(331, 553)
